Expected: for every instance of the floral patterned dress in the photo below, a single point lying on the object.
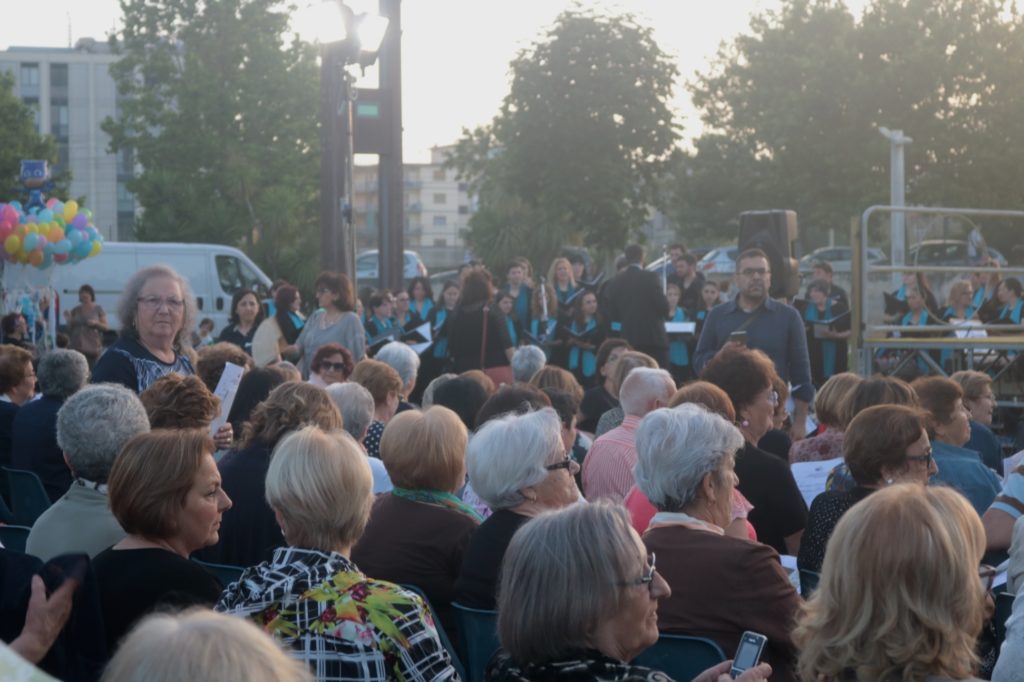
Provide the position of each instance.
(344, 625)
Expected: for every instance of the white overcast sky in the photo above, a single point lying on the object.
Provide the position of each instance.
(455, 52)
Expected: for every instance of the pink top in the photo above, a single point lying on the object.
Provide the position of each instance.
(641, 511)
(608, 467)
(827, 445)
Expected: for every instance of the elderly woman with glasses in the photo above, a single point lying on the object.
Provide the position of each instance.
(685, 466)
(885, 444)
(157, 313)
(579, 599)
(779, 512)
(519, 466)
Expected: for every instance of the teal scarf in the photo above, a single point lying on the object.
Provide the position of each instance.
(438, 499)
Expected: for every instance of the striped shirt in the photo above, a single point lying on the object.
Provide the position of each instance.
(608, 467)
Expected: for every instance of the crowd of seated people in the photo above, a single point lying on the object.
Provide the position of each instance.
(331, 526)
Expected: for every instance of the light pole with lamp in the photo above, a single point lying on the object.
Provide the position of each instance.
(897, 196)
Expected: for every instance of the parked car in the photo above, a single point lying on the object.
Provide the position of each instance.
(367, 264)
(946, 252)
(720, 261)
(840, 257)
(698, 252)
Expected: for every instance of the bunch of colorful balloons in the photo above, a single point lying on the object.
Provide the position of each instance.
(60, 233)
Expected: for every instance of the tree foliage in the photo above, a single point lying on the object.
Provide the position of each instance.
(791, 111)
(220, 111)
(19, 140)
(575, 151)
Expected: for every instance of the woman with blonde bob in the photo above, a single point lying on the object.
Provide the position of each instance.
(310, 596)
(899, 597)
(418, 532)
(830, 411)
(201, 645)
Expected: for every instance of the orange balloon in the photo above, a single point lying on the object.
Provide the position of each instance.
(55, 234)
(35, 258)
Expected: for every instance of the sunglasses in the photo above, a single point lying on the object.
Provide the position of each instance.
(335, 366)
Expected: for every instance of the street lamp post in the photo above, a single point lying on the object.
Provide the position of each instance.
(897, 196)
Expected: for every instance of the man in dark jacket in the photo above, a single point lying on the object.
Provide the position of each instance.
(636, 307)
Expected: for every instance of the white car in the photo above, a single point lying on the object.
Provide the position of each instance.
(840, 257)
(720, 261)
(367, 263)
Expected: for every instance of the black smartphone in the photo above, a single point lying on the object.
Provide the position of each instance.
(748, 653)
(738, 337)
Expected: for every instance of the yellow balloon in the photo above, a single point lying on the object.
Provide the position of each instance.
(22, 257)
(12, 244)
(70, 209)
(96, 248)
(33, 227)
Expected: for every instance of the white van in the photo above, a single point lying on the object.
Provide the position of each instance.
(213, 271)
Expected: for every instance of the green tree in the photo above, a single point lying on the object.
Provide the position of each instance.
(220, 112)
(575, 152)
(19, 140)
(791, 110)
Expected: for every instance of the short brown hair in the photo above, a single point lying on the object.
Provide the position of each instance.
(550, 376)
(878, 390)
(742, 373)
(290, 406)
(212, 359)
(339, 285)
(707, 394)
(974, 384)
(378, 378)
(151, 478)
(878, 439)
(425, 450)
(481, 378)
(179, 402)
(830, 401)
(327, 350)
(938, 396)
(13, 361)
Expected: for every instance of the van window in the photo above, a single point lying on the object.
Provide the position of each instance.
(235, 274)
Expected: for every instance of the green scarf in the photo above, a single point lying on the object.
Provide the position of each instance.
(438, 499)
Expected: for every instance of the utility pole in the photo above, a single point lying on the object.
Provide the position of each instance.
(334, 112)
(391, 195)
(897, 196)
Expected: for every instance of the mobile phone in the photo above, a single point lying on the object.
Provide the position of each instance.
(738, 337)
(748, 653)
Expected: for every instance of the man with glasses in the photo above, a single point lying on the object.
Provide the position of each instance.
(763, 324)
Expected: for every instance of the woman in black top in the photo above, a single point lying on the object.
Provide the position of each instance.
(604, 396)
(467, 324)
(246, 315)
(165, 492)
(883, 445)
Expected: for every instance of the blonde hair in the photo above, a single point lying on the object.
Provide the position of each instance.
(288, 407)
(550, 376)
(973, 383)
(320, 484)
(959, 288)
(899, 596)
(200, 644)
(378, 378)
(830, 401)
(425, 450)
(552, 280)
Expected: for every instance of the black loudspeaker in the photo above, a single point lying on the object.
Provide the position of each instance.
(774, 233)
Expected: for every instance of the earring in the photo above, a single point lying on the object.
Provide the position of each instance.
(744, 423)
(888, 481)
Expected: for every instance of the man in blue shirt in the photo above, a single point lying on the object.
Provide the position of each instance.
(772, 327)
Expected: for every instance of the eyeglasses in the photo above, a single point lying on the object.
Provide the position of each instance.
(987, 575)
(155, 303)
(566, 463)
(926, 458)
(755, 272)
(323, 290)
(647, 578)
(336, 366)
(773, 398)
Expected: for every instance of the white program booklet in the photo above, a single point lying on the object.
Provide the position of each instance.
(227, 387)
(811, 476)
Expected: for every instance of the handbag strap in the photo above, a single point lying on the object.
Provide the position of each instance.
(750, 320)
(483, 343)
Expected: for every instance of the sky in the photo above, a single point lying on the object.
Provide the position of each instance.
(455, 53)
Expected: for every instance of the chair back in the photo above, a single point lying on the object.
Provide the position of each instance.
(1004, 607)
(808, 582)
(681, 657)
(28, 496)
(14, 538)
(224, 573)
(441, 634)
(478, 636)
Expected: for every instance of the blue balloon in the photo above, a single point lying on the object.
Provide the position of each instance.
(62, 247)
(74, 236)
(31, 240)
(82, 249)
(16, 204)
(46, 216)
(48, 250)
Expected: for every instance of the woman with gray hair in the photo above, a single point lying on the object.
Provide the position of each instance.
(686, 468)
(310, 596)
(519, 466)
(548, 632)
(404, 360)
(34, 446)
(157, 312)
(93, 426)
